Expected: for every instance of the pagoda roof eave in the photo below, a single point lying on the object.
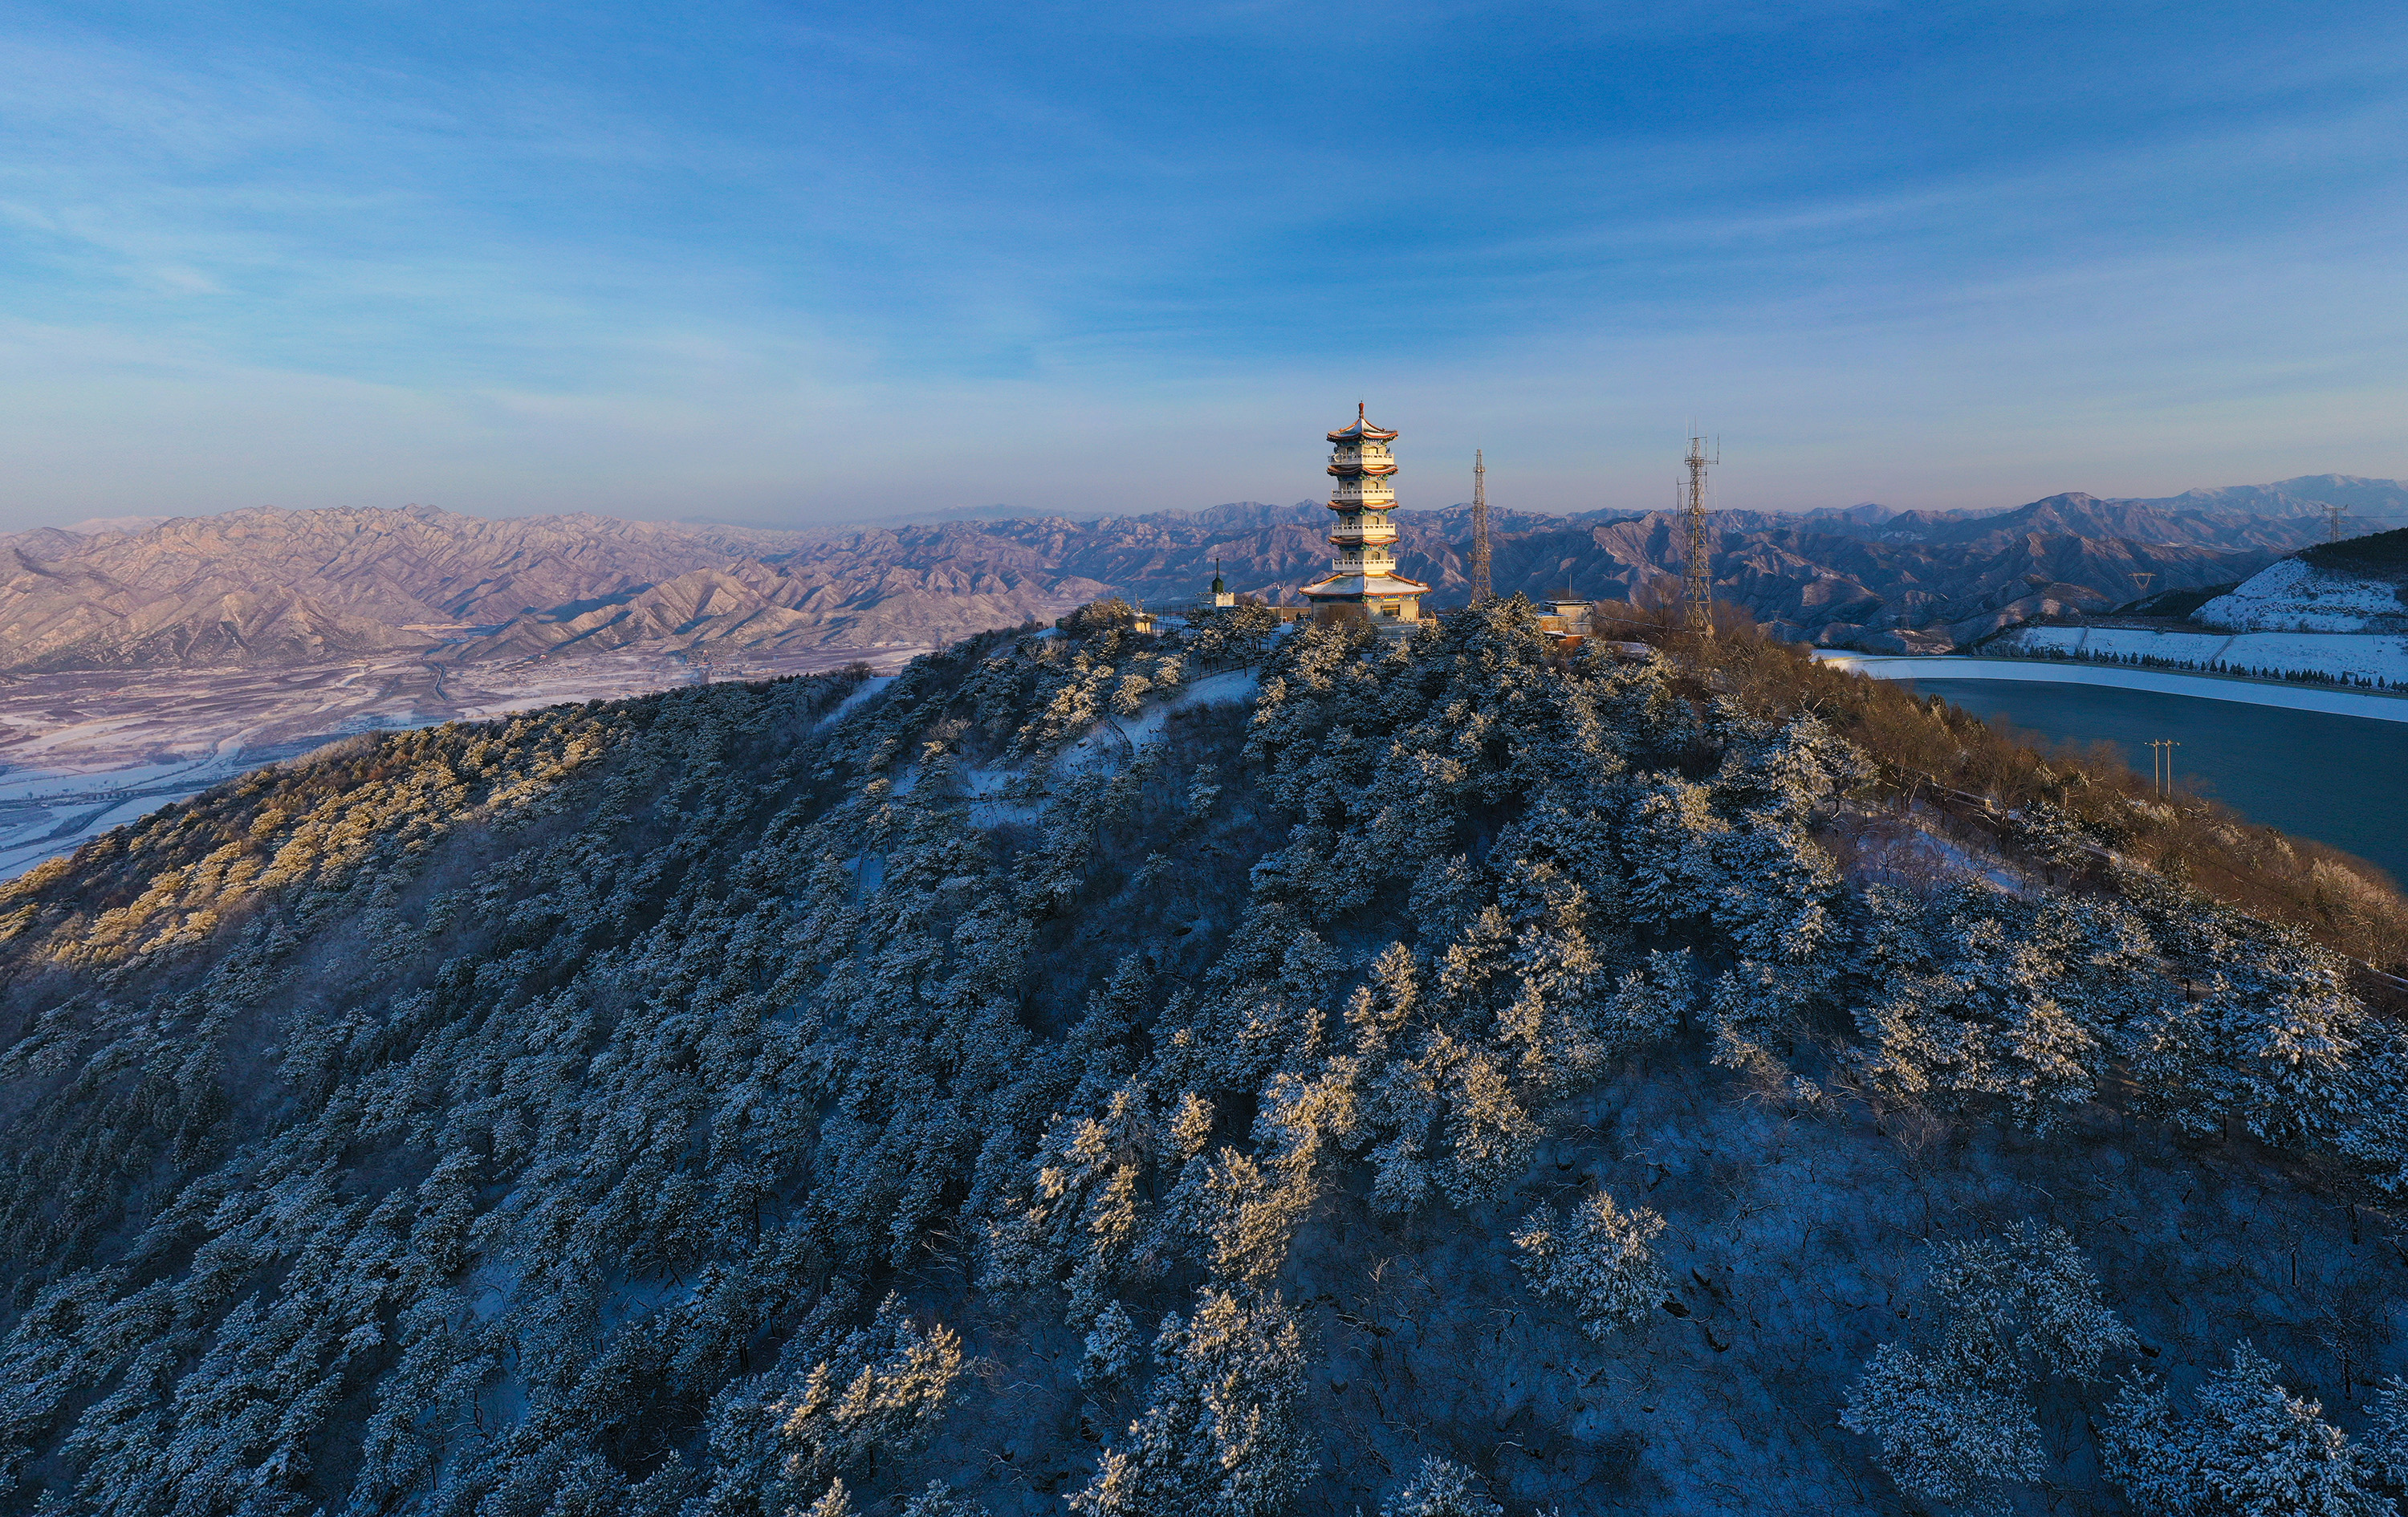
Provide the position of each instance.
(1349, 586)
(1363, 432)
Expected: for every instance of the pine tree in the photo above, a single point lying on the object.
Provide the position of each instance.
(1221, 1435)
(2248, 1449)
(1440, 1488)
(1942, 1436)
(1956, 1422)
(1110, 1351)
(938, 1500)
(1598, 1261)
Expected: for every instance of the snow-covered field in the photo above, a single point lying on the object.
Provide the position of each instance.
(81, 753)
(2367, 654)
(2371, 704)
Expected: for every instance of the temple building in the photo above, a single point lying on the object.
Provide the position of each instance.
(1364, 573)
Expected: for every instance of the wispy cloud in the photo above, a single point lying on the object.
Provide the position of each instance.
(621, 255)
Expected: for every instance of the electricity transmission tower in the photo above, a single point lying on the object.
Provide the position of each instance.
(1481, 589)
(2333, 523)
(1697, 572)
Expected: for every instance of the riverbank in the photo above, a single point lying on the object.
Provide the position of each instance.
(2375, 705)
(2313, 774)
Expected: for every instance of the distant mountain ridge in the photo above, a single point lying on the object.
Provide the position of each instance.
(265, 586)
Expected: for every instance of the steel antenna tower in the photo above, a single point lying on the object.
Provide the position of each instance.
(1481, 589)
(2333, 523)
(1696, 571)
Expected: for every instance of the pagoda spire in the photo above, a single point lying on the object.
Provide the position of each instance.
(1364, 572)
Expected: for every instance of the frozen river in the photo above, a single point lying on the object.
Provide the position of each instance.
(2339, 780)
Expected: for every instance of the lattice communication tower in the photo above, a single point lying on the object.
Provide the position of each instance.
(1697, 570)
(1481, 589)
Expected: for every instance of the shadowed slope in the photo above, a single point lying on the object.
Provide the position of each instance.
(533, 1117)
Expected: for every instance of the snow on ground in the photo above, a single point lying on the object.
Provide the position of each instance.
(868, 688)
(2320, 652)
(82, 753)
(2366, 703)
(2295, 595)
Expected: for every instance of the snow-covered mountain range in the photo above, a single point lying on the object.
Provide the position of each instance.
(268, 586)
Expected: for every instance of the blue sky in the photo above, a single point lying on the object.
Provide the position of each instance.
(776, 263)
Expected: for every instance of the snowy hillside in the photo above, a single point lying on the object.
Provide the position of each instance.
(2358, 585)
(1126, 1075)
(2367, 656)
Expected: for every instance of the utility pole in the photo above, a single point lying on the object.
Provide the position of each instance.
(1481, 588)
(1697, 572)
(2161, 770)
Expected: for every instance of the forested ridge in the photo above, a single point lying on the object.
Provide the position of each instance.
(1202, 1074)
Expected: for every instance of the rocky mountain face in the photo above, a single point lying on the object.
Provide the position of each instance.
(268, 586)
(1212, 1074)
(915, 585)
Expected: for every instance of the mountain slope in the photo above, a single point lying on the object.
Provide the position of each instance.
(268, 586)
(273, 585)
(2359, 584)
(1436, 1067)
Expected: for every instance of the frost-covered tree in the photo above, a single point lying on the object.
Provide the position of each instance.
(1956, 1422)
(1942, 1434)
(1221, 1435)
(517, 1117)
(1599, 1261)
(938, 1500)
(835, 1502)
(781, 1439)
(2271, 1032)
(1649, 1002)
(2248, 1448)
(1440, 1488)
(2387, 1434)
(1983, 999)
(1088, 1195)
(2025, 1301)
(1112, 1350)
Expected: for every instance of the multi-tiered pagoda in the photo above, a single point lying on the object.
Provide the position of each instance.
(1364, 573)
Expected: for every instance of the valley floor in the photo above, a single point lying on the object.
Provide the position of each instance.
(82, 753)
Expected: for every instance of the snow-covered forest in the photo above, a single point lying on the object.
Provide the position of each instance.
(1450, 1076)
